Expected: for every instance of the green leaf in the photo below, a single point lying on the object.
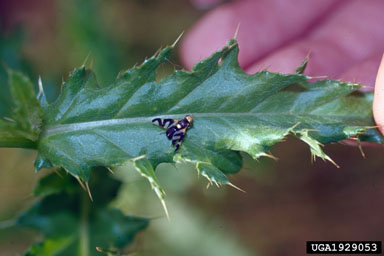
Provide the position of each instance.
(50, 247)
(23, 128)
(71, 224)
(145, 169)
(91, 125)
(55, 184)
(11, 56)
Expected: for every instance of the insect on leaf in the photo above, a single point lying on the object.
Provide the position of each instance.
(91, 125)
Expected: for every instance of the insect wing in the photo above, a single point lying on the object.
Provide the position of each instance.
(165, 122)
(171, 131)
(178, 137)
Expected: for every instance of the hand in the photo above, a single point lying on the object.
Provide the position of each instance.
(345, 38)
(378, 100)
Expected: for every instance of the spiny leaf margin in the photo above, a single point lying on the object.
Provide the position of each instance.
(89, 125)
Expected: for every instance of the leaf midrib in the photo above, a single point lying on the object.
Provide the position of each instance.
(64, 128)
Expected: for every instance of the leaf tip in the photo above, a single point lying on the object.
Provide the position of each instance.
(237, 31)
(86, 59)
(80, 182)
(41, 94)
(236, 187)
(165, 208)
(314, 145)
(110, 170)
(231, 43)
(326, 157)
(269, 156)
(301, 69)
(88, 191)
(91, 64)
(178, 39)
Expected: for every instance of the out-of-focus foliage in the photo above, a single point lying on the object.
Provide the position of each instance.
(10, 57)
(22, 128)
(81, 23)
(182, 234)
(72, 224)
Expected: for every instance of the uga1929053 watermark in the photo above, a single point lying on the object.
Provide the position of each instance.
(344, 247)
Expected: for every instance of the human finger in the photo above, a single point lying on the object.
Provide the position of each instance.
(335, 46)
(378, 100)
(264, 26)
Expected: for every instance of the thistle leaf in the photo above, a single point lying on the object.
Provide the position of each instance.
(91, 125)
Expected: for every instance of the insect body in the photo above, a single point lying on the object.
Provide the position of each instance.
(176, 129)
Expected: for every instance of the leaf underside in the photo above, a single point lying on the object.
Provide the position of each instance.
(90, 125)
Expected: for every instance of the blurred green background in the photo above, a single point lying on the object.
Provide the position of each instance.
(288, 201)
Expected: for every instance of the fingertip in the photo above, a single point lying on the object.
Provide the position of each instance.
(378, 101)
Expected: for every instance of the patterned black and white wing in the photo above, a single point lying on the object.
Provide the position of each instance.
(177, 138)
(176, 129)
(165, 122)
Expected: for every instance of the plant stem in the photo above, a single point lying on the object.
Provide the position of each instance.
(84, 228)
